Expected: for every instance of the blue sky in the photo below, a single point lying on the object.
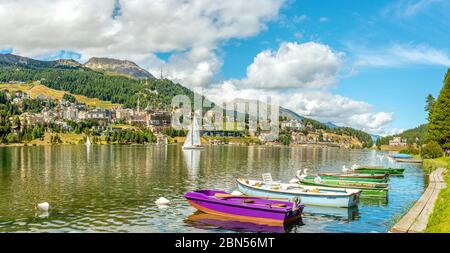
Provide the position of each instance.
(399, 89)
(366, 64)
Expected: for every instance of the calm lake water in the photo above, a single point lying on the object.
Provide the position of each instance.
(112, 188)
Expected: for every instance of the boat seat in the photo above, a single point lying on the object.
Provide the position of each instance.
(267, 179)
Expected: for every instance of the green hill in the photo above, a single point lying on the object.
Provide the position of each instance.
(415, 135)
(77, 79)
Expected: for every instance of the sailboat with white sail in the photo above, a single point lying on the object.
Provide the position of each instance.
(193, 136)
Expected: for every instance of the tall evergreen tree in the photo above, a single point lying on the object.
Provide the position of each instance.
(430, 100)
(439, 126)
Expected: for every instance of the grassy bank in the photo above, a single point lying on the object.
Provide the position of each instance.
(439, 221)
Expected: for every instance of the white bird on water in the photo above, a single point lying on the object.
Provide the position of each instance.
(355, 166)
(44, 206)
(345, 169)
(162, 201)
(237, 193)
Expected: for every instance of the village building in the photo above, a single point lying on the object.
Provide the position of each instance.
(220, 133)
(123, 114)
(398, 141)
(158, 121)
(292, 124)
(101, 115)
(31, 118)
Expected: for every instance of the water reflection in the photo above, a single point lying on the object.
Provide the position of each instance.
(192, 159)
(113, 187)
(332, 213)
(205, 221)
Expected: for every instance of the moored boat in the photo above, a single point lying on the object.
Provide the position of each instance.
(368, 189)
(379, 170)
(243, 208)
(358, 175)
(402, 156)
(309, 195)
(193, 136)
(402, 160)
(354, 177)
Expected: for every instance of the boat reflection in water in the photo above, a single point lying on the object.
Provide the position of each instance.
(331, 213)
(204, 220)
(374, 201)
(192, 159)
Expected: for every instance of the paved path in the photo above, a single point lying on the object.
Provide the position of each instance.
(416, 220)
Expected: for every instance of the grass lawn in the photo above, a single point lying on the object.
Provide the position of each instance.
(66, 138)
(439, 221)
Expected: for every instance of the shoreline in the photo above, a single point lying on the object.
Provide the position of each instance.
(433, 220)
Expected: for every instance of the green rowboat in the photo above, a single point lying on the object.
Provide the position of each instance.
(368, 189)
(380, 170)
(349, 177)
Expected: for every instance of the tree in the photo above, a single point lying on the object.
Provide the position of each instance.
(69, 98)
(439, 126)
(430, 101)
(431, 150)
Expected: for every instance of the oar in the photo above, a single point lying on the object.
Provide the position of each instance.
(224, 195)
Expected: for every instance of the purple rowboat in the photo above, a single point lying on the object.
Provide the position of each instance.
(247, 209)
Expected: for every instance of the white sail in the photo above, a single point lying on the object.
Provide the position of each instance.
(88, 141)
(196, 133)
(193, 135)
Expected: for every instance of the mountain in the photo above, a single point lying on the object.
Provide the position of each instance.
(285, 113)
(331, 125)
(120, 67)
(25, 61)
(71, 76)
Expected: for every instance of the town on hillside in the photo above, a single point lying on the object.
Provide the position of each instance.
(46, 120)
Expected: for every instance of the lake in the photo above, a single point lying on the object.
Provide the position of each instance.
(112, 188)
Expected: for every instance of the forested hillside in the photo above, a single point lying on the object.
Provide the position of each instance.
(93, 84)
(414, 135)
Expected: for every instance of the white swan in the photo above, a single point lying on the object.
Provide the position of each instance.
(345, 169)
(355, 166)
(237, 193)
(162, 201)
(294, 180)
(44, 206)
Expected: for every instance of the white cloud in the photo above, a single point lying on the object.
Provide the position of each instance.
(320, 105)
(399, 55)
(308, 65)
(408, 8)
(143, 27)
(394, 131)
(300, 18)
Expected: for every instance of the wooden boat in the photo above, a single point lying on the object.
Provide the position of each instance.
(243, 208)
(309, 195)
(354, 177)
(357, 175)
(368, 189)
(379, 170)
(401, 156)
(401, 160)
